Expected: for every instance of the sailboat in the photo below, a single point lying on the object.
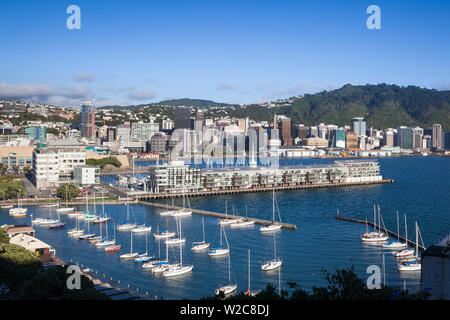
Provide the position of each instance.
(18, 212)
(201, 245)
(130, 255)
(226, 221)
(396, 244)
(103, 217)
(183, 212)
(375, 236)
(67, 209)
(275, 263)
(152, 264)
(49, 220)
(220, 251)
(242, 223)
(142, 228)
(76, 231)
(178, 269)
(229, 288)
(249, 291)
(274, 226)
(57, 225)
(162, 265)
(406, 252)
(126, 226)
(106, 242)
(414, 265)
(164, 234)
(144, 257)
(178, 240)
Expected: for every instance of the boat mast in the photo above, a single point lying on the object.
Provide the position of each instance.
(406, 231)
(203, 228)
(398, 228)
(248, 270)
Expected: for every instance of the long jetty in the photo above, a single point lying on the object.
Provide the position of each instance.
(391, 233)
(217, 214)
(149, 195)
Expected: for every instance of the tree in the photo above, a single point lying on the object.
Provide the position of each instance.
(344, 284)
(68, 191)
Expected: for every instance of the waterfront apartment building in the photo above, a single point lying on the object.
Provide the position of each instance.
(177, 177)
(174, 177)
(54, 166)
(87, 120)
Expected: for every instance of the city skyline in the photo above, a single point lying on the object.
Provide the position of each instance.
(234, 52)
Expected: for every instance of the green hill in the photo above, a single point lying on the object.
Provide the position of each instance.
(192, 103)
(380, 105)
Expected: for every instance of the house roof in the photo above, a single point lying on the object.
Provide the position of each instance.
(28, 242)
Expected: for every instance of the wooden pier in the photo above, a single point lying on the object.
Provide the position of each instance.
(390, 233)
(217, 214)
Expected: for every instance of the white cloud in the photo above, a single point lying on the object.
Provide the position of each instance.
(142, 95)
(86, 77)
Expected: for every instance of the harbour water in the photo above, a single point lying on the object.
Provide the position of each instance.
(421, 191)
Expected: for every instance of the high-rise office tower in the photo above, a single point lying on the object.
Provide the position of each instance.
(285, 130)
(359, 126)
(87, 120)
(437, 137)
(182, 117)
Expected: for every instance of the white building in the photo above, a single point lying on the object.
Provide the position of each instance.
(86, 175)
(54, 166)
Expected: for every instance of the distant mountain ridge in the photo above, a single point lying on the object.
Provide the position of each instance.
(382, 106)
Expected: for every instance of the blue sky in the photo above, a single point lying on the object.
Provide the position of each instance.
(133, 52)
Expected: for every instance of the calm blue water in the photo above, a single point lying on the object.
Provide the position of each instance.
(421, 191)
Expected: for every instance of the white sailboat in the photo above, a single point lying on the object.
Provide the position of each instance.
(162, 265)
(106, 242)
(185, 212)
(274, 226)
(229, 288)
(131, 255)
(18, 211)
(275, 263)
(201, 245)
(178, 240)
(414, 265)
(226, 221)
(49, 220)
(165, 234)
(249, 291)
(243, 223)
(142, 228)
(405, 252)
(104, 217)
(396, 244)
(178, 269)
(220, 251)
(126, 226)
(375, 236)
(66, 209)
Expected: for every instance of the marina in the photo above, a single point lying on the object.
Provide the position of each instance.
(319, 242)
